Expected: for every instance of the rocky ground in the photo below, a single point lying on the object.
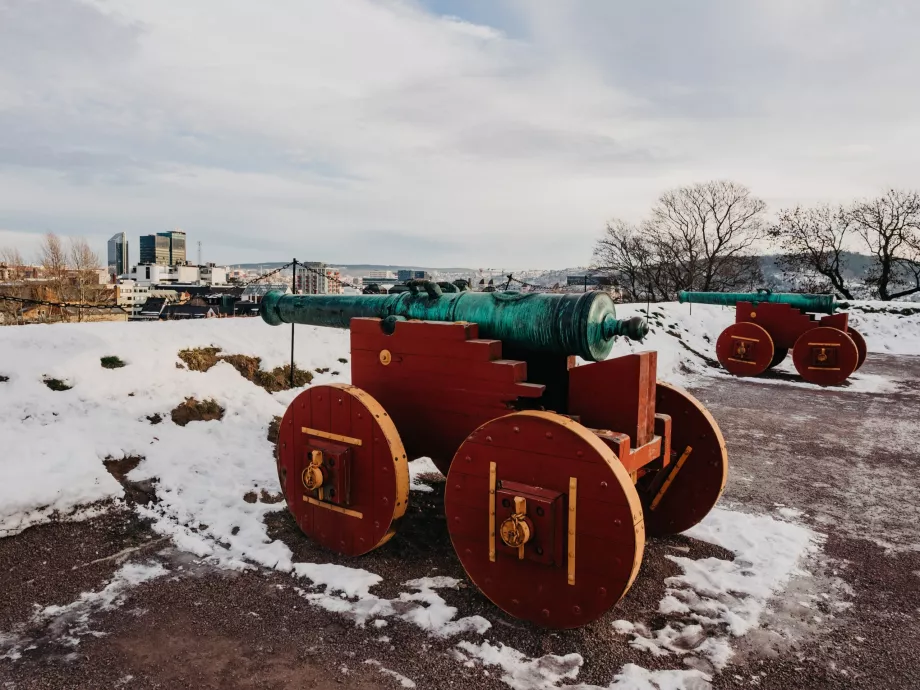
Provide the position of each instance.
(843, 463)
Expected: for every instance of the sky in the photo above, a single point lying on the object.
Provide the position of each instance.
(481, 133)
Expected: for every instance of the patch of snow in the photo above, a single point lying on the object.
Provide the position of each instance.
(417, 468)
(633, 677)
(521, 672)
(68, 623)
(398, 677)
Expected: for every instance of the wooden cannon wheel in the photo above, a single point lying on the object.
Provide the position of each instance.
(860, 343)
(544, 519)
(825, 356)
(745, 349)
(343, 468)
(683, 493)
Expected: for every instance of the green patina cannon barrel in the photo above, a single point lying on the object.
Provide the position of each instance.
(583, 325)
(818, 304)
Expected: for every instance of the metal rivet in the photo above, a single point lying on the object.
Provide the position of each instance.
(488, 439)
(515, 602)
(549, 434)
(603, 485)
(468, 458)
(602, 591)
(517, 429)
(576, 610)
(545, 613)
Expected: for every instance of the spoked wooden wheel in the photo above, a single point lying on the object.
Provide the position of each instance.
(343, 468)
(745, 349)
(825, 356)
(779, 355)
(544, 518)
(860, 343)
(683, 493)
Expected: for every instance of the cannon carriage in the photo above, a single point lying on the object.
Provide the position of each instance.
(825, 350)
(556, 472)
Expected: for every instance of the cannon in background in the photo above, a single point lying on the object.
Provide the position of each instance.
(769, 324)
(555, 472)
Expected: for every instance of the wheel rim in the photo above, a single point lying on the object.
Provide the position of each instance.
(558, 583)
(860, 342)
(363, 474)
(825, 356)
(698, 483)
(745, 349)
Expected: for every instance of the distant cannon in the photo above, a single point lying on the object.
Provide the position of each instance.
(555, 472)
(769, 324)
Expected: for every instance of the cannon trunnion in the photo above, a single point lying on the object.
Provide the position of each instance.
(555, 472)
(768, 325)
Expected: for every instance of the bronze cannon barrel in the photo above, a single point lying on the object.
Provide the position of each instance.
(818, 304)
(581, 324)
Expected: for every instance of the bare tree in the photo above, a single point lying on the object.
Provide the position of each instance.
(626, 256)
(12, 272)
(85, 264)
(53, 258)
(814, 240)
(890, 227)
(705, 234)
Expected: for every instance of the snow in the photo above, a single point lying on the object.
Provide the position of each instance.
(69, 622)
(521, 672)
(54, 444)
(398, 677)
(417, 468)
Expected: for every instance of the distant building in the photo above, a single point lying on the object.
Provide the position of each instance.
(405, 274)
(164, 248)
(176, 246)
(334, 281)
(154, 249)
(255, 292)
(381, 275)
(118, 254)
(212, 275)
(131, 297)
(311, 278)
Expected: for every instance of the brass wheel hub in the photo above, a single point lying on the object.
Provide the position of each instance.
(515, 531)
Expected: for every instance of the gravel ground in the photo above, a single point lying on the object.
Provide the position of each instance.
(844, 459)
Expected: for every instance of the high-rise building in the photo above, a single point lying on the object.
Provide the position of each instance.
(176, 246)
(154, 250)
(118, 254)
(311, 278)
(164, 248)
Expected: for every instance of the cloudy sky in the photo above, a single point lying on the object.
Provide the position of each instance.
(480, 133)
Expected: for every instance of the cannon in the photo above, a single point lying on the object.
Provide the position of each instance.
(556, 471)
(768, 324)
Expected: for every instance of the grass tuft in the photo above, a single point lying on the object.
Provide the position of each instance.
(111, 362)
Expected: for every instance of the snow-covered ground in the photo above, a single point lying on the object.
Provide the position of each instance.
(53, 443)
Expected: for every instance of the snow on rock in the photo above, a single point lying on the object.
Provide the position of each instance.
(521, 672)
(417, 468)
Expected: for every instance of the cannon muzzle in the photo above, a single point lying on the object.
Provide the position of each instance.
(817, 304)
(583, 325)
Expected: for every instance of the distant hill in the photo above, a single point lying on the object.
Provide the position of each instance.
(361, 268)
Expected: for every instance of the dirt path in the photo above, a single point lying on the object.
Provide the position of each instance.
(846, 460)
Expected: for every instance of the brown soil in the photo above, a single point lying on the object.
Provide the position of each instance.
(141, 492)
(274, 429)
(250, 368)
(193, 410)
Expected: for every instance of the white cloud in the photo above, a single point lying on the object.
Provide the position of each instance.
(380, 132)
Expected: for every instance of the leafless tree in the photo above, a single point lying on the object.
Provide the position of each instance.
(626, 256)
(705, 234)
(11, 276)
(889, 226)
(85, 264)
(697, 238)
(815, 240)
(53, 258)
